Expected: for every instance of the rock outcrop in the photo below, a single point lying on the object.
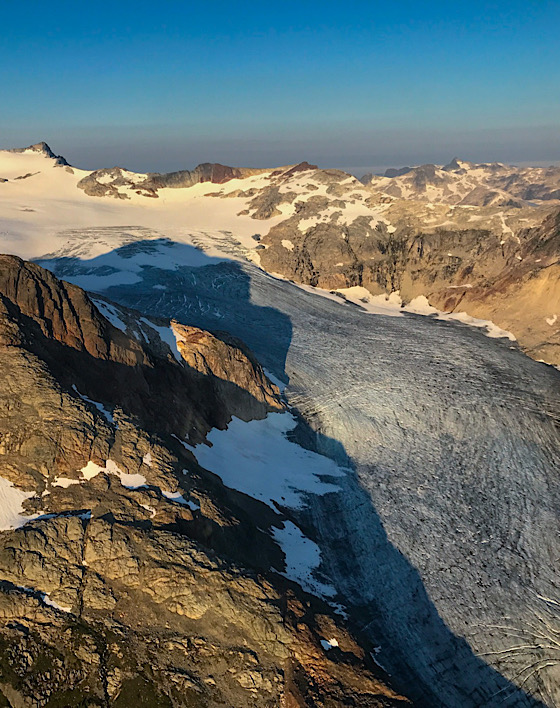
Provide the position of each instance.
(118, 182)
(128, 573)
(43, 149)
(467, 183)
(512, 279)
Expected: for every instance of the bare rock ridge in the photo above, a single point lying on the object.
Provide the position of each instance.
(106, 182)
(128, 573)
(468, 183)
(66, 329)
(43, 149)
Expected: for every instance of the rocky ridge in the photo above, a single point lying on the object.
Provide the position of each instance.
(118, 182)
(470, 184)
(128, 572)
(43, 149)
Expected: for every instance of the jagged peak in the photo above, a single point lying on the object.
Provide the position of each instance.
(42, 148)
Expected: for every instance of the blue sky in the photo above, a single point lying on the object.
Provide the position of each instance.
(162, 86)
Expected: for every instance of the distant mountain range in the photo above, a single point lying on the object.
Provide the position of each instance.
(469, 184)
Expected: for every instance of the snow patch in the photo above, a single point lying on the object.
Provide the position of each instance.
(150, 509)
(91, 470)
(51, 603)
(276, 381)
(110, 313)
(11, 506)
(100, 407)
(130, 481)
(287, 244)
(65, 482)
(180, 499)
(167, 335)
(388, 305)
(258, 459)
(302, 557)
(329, 643)
(551, 320)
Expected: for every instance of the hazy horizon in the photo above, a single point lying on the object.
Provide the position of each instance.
(164, 158)
(352, 85)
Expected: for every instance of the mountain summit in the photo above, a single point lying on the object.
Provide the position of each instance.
(43, 149)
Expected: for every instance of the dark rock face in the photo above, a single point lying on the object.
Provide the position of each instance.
(393, 172)
(59, 323)
(206, 172)
(44, 149)
(139, 577)
(300, 167)
(106, 182)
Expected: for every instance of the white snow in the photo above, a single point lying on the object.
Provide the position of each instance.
(65, 482)
(44, 598)
(150, 509)
(287, 244)
(100, 407)
(174, 496)
(167, 335)
(551, 320)
(257, 458)
(53, 204)
(420, 306)
(147, 459)
(130, 481)
(110, 312)
(302, 557)
(91, 470)
(276, 381)
(180, 499)
(51, 603)
(329, 643)
(11, 506)
(389, 305)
